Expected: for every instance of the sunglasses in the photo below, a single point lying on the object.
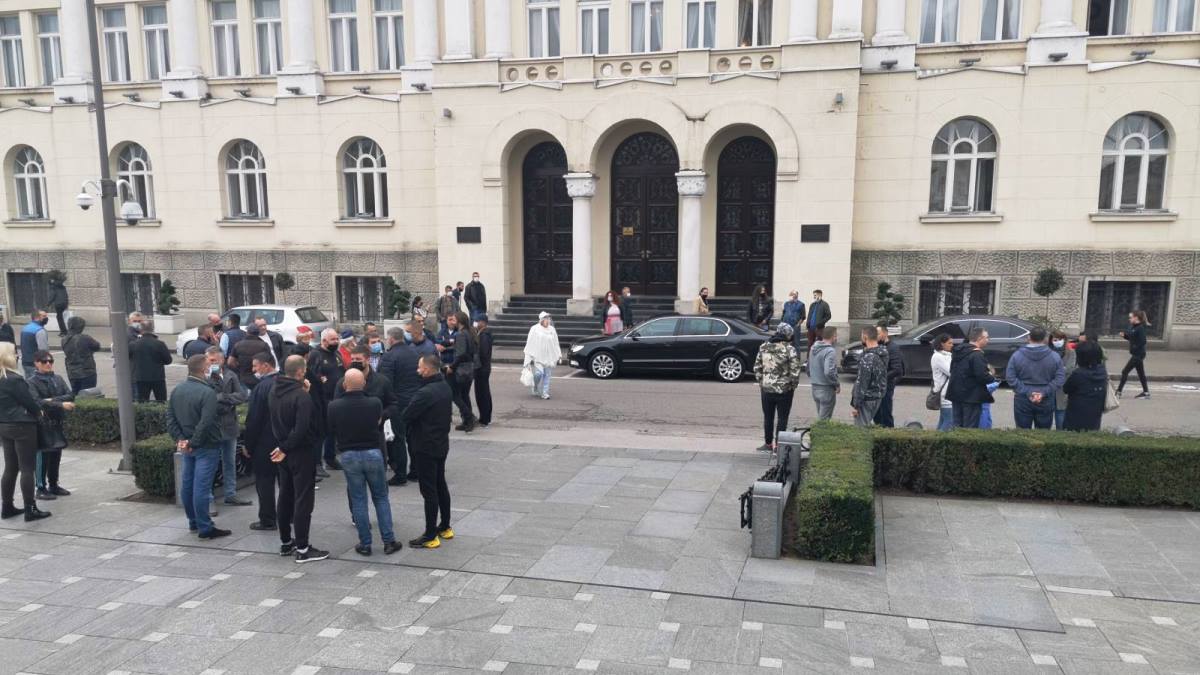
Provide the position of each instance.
(47, 361)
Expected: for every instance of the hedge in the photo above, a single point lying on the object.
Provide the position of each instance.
(833, 513)
(154, 465)
(94, 421)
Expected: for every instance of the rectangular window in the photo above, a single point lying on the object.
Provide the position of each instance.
(10, 51)
(1174, 16)
(543, 28)
(939, 21)
(268, 36)
(645, 25)
(246, 289)
(701, 24)
(116, 44)
(754, 23)
(30, 291)
(1001, 20)
(154, 33)
(227, 58)
(141, 292)
(389, 34)
(593, 28)
(1108, 17)
(1110, 302)
(360, 299)
(50, 47)
(952, 297)
(343, 36)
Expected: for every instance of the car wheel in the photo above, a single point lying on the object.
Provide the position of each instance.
(730, 368)
(602, 365)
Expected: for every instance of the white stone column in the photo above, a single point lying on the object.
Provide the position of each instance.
(76, 55)
(889, 23)
(692, 186)
(802, 21)
(498, 29)
(1057, 41)
(186, 74)
(581, 187)
(1056, 18)
(425, 32)
(847, 20)
(301, 74)
(460, 30)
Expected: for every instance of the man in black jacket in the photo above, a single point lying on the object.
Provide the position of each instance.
(969, 380)
(475, 296)
(460, 372)
(325, 368)
(79, 351)
(204, 339)
(354, 419)
(260, 441)
(399, 363)
(818, 316)
(483, 374)
(59, 302)
(428, 418)
(293, 421)
(275, 340)
(150, 357)
(895, 370)
(241, 357)
(376, 385)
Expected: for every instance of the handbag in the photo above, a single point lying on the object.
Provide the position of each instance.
(527, 376)
(1111, 402)
(933, 400)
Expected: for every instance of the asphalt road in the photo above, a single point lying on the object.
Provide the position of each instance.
(682, 413)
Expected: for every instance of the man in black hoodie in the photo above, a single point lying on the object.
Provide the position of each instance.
(150, 358)
(260, 441)
(293, 421)
(969, 380)
(428, 420)
(79, 350)
(895, 370)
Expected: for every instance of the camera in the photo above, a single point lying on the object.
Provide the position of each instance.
(84, 200)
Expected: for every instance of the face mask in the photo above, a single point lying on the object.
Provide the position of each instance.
(44, 321)
(474, 278)
(134, 325)
(377, 348)
(1058, 344)
(407, 336)
(358, 366)
(258, 376)
(214, 369)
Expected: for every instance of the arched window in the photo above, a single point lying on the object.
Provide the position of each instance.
(964, 168)
(365, 171)
(1133, 169)
(29, 179)
(133, 167)
(246, 181)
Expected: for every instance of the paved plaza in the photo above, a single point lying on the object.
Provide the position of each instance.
(574, 559)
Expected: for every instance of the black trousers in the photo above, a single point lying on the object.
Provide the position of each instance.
(78, 384)
(62, 321)
(483, 394)
(47, 475)
(297, 478)
(20, 456)
(266, 474)
(1135, 363)
(397, 450)
(775, 405)
(967, 415)
(147, 387)
(431, 473)
(883, 416)
(462, 397)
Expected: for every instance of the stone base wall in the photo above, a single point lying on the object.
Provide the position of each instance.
(1014, 272)
(195, 274)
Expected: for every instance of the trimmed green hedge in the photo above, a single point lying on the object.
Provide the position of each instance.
(94, 421)
(1083, 467)
(834, 509)
(154, 465)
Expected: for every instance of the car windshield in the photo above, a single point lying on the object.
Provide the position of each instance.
(311, 315)
(273, 317)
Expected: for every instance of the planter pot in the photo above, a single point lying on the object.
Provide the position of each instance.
(169, 324)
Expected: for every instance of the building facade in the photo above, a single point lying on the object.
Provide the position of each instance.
(566, 147)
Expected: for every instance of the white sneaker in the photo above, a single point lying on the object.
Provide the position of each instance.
(545, 397)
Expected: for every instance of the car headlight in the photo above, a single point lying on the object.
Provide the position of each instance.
(576, 348)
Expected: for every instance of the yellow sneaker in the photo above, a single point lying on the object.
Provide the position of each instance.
(447, 533)
(422, 542)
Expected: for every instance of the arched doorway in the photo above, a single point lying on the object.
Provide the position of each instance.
(745, 216)
(645, 215)
(546, 212)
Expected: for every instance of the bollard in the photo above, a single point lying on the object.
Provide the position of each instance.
(766, 532)
(1123, 430)
(914, 424)
(178, 461)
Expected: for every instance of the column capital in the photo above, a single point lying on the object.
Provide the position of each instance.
(691, 183)
(581, 185)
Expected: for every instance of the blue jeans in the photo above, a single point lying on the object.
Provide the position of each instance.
(945, 419)
(366, 470)
(1060, 418)
(541, 380)
(229, 466)
(199, 470)
(1027, 415)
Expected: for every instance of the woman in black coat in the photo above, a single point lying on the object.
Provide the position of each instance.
(1086, 389)
(1136, 335)
(56, 400)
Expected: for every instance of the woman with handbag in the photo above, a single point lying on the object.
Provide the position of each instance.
(55, 399)
(542, 353)
(19, 415)
(939, 363)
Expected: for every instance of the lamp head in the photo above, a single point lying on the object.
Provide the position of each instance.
(131, 212)
(84, 200)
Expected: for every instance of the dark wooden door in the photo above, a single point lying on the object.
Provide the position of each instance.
(745, 216)
(645, 215)
(547, 220)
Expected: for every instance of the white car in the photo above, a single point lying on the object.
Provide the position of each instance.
(282, 319)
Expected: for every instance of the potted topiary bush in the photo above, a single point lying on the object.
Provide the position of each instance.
(1045, 284)
(889, 306)
(167, 319)
(397, 303)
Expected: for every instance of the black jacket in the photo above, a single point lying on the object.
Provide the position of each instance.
(51, 392)
(354, 419)
(1085, 390)
(627, 311)
(325, 370)
(300, 349)
(6, 333)
(969, 376)
(192, 414)
(379, 387)
(17, 405)
(428, 418)
(258, 435)
(400, 365)
(819, 314)
(466, 354)
(1136, 335)
(149, 357)
(761, 309)
(293, 418)
(895, 364)
(79, 351)
(486, 341)
(244, 353)
(277, 347)
(58, 296)
(475, 296)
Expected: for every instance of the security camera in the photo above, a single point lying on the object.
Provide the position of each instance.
(84, 200)
(131, 212)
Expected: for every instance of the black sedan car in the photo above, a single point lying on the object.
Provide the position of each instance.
(717, 345)
(1006, 335)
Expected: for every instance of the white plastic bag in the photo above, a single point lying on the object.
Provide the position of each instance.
(388, 434)
(527, 376)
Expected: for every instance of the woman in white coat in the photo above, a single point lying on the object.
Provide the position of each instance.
(939, 364)
(542, 352)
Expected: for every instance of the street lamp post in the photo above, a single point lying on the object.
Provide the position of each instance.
(112, 255)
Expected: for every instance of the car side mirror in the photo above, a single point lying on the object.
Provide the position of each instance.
(635, 336)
